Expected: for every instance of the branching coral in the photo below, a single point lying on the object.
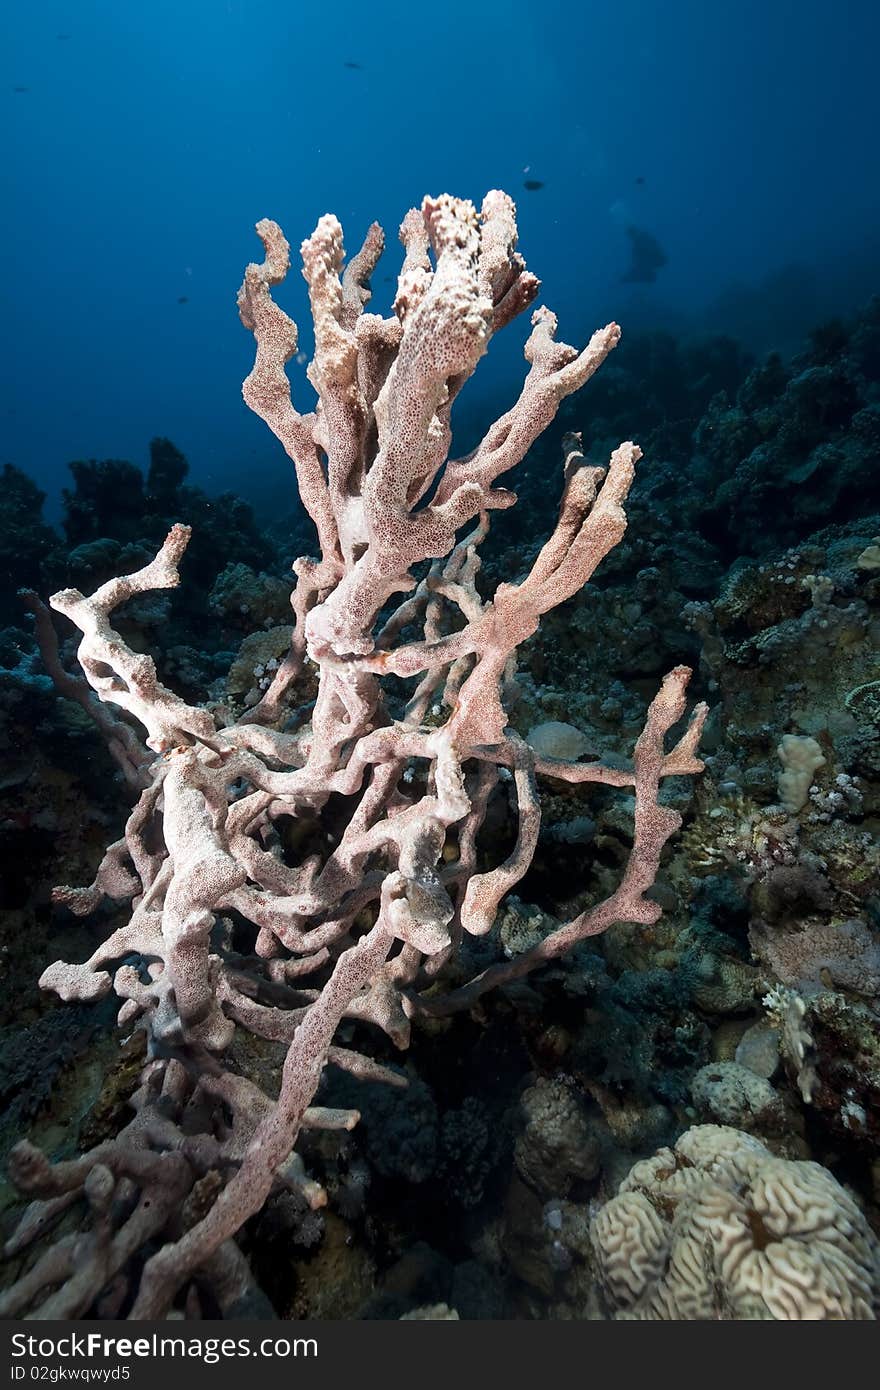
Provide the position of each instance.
(363, 929)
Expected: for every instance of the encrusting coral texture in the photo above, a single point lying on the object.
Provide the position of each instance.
(364, 928)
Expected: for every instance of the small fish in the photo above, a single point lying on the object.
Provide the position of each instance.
(358, 66)
(533, 184)
(640, 179)
(183, 299)
(62, 36)
(21, 89)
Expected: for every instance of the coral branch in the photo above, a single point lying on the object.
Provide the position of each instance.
(360, 926)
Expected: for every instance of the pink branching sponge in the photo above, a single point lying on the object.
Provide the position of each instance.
(365, 929)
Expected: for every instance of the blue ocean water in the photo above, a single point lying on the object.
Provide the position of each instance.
(142, 142)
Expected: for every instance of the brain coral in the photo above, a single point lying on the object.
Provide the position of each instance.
(719, 1228)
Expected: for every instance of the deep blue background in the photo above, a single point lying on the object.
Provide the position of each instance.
(741, 133)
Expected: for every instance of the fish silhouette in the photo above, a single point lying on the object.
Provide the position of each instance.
(646, 257)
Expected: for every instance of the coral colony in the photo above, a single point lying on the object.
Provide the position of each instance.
(407, 738)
